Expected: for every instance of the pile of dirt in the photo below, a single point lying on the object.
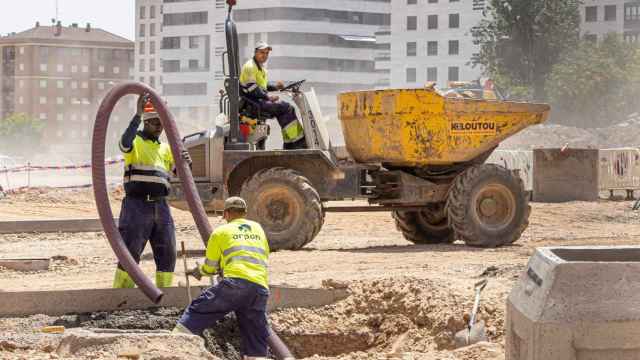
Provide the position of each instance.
(558, 136)
(384, 316)
(58, 196)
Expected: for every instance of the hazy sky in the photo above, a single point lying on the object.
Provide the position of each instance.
(116, 16)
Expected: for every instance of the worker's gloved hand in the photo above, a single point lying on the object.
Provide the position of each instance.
(273, 98)
(279, 85)
(186, 157)
(195, 272)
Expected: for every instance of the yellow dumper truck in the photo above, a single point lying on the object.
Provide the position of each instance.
(412, 152)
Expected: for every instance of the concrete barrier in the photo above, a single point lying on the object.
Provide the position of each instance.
(565, 175)
(62, 302)
(576, 303)
(521, 160)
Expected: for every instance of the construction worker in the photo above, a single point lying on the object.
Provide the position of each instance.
(254, 83)
(145, 214)
(239, 251)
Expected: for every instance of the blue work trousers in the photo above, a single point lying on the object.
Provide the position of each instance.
(246, 299)
(142, 220)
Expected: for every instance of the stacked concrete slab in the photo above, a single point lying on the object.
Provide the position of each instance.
(576, 303)
(565, 175)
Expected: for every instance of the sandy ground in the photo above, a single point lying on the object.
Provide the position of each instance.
(415, 296)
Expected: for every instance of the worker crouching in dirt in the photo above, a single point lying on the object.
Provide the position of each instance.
(239, 251)
(255, 85)
(145, 214)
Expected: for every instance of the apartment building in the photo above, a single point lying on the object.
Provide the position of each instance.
(60, 74)
(331, 44)
(431, 41)
(601, 17)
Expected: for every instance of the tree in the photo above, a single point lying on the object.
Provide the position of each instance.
(596, 84)
(520, 41)
(20, 132)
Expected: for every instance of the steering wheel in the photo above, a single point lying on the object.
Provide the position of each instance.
(295, 87)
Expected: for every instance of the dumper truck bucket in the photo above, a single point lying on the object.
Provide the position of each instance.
(420, 127)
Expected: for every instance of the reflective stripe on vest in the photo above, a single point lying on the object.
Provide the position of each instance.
(247, 259)
(146, 173)
(148, 161)
(245, 248)
(292, 132)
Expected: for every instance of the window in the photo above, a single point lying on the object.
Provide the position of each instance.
(432, 22)
(116, 70)
(101, 68)
(412, 2)
(60, 100)
(171, 42)
(74, 68)
(21, 100)
(454, 47)
(142, 79)
(152, 29)
(21, 83)
(152, 65)
(85, 68)
(193, 64)
(100, 85)
(21, 67)
(591, 13)
(412, 23)
(59, 117)
(591, 37)
(412, 49)
(76, 52)
(74, 117)
(21, 50)
(141, 48)
(432, 74)
(85, 117)
(454, 21)
(632, 12)
(43, 67)
(60, 84)
(142, 30)
(411, 75)
(84, 84)
(152, 81)
(152, 47)
(185, 89)
(43, 100)
(454, 73)
(43, 116)
(141, 66)
(142, 12)
(609, 13)
(74, 84)
(433, 1)
(171, 65)
(432, 48)
(188, 18)
(193, 42)
(60, 67)
(152, 12)
(43, 84)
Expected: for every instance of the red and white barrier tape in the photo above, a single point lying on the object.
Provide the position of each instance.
(66, 167)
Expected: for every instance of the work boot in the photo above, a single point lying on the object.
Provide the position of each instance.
(122, 280)
(164, 279)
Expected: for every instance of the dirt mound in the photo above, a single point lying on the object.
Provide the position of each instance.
(406, 315)
(59, 196)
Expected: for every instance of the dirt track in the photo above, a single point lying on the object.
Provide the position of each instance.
(423, 291)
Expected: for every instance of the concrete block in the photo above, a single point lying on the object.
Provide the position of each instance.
(26, 264)
(576, 303)
(568, 175)
(62, 302)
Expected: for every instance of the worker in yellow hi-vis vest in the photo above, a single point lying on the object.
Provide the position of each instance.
(239, 251)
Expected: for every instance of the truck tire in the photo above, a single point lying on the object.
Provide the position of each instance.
(286, 205)
(487, 206)
(429, 226)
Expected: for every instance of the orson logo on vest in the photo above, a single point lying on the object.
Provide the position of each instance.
(473, 127)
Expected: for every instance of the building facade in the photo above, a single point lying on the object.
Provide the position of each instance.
(331, 44)
(59, 74)
(601, 17)
(431, 41)
(148, 30)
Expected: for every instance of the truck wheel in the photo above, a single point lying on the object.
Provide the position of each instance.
(429, 226)
(286, 205)
(488, 207)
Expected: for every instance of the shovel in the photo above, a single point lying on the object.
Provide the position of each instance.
(475, 332)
